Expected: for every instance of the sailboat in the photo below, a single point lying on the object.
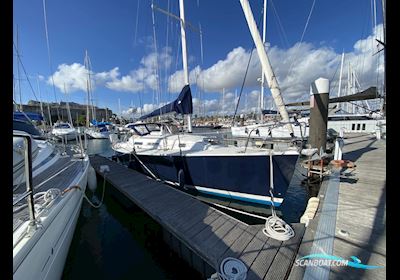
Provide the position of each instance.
(94, 129)
(184, 159)
(48, 188)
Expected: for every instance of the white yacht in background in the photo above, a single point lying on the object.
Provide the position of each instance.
(99, 132)
(354, 123)
(47, 197)
(64, 130)
(272, 130)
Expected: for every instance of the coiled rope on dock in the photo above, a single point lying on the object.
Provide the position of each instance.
(275, 227)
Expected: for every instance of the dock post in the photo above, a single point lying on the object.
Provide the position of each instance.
(339, 143)
(319, 101)
(378, 131)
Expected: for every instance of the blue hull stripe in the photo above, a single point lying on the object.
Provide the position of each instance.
(252, 200)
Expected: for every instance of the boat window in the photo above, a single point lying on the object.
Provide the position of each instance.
(139, 129)
(353, 126)
(358, 126)
(182, 145)
(363, 126)
(62, 125)
(152, 127)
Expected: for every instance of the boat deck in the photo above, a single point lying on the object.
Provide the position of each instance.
(60, 175)
(351, 220)
(201, 234)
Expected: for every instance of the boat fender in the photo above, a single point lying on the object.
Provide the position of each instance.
(181, 178)
(92, 179)
(311, 210)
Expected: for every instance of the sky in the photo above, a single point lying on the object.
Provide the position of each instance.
(136, 66)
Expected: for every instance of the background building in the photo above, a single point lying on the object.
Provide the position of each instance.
(58, 111)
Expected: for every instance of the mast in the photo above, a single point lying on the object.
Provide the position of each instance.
(384, 56)
(19, 77)
(340, 79)
(40, 100)
(119, 107)
(266, 65)
(262, 72)
(184, 55)
(48, 111)
(68, 109)
(15, 103)
(223, 101)
(87, 90)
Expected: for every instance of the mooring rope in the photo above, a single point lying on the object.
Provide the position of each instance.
(275, 227)
(104, 188)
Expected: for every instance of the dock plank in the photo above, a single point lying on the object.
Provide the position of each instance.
(286, 255)
(252, 250)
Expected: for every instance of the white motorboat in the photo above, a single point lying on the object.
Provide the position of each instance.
(64, 130)
(97, 133)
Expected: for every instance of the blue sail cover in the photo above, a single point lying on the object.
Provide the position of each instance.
(182, 105)
(32, 116)
(96, 123)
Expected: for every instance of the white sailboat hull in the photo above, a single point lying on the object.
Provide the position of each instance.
(43, 255)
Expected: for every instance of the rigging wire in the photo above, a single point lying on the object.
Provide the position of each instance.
(23, 68)
(245, 76)
(137, 20)
(166, 52)
(302, 37)
(158, 93)
(48, 53)
(281, 29)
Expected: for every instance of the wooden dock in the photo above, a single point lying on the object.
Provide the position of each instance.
(351, 219)
(200, 234)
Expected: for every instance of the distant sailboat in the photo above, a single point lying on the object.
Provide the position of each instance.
(94, 129)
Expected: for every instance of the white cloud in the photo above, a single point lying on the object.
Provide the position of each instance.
(295, 68)
(74, 77)
(229, 73)
(70, 77)
(176, 80)
(129, 112)
(146, 76)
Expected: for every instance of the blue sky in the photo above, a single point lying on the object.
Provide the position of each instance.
(124, 61)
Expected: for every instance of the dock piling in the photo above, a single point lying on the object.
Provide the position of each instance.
(319, 101)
